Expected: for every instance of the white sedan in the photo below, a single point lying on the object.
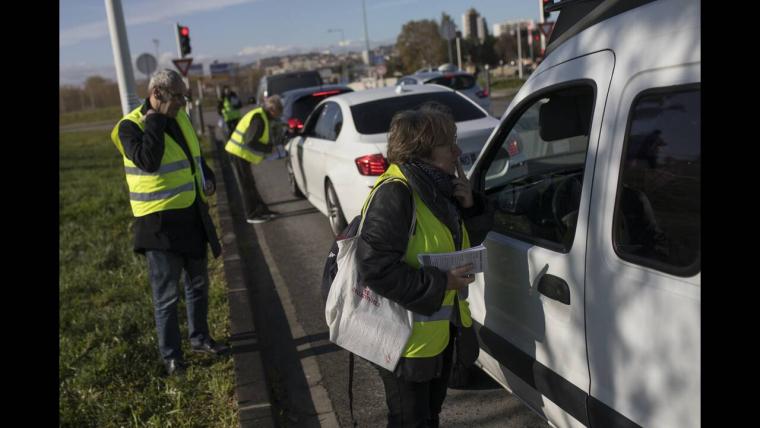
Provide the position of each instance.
(340, 152)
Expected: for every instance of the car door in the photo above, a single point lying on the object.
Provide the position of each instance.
(319, 141)
(528, 305)
(644, 306)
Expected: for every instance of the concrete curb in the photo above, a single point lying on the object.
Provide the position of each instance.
(251, 389)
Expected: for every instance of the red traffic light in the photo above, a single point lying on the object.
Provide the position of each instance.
(184, 31)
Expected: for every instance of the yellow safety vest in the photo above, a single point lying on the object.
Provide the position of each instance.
(430, 334)
(228, 112)
(173, 185)
(237, 147)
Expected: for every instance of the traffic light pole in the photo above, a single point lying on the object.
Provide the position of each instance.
(541, 20)
(188, 107)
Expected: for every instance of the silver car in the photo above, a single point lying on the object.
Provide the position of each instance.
(457, 80)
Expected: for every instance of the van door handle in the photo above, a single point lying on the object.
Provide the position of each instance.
(555, 288)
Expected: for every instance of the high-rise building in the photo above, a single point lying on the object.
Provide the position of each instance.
(470, 23)
(510, 26)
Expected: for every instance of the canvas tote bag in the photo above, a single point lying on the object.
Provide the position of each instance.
(360, 320)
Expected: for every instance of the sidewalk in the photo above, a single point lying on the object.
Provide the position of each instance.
(251, 387)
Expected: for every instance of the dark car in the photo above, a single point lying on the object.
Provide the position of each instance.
(299, 103)
(279, 83)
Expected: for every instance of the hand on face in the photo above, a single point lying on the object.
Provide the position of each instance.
(167, 102)
(462, 188)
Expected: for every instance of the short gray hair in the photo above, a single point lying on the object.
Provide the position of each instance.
(165, 79)
(273, 102)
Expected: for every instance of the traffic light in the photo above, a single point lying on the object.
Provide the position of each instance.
(184, 40)
(546, 14)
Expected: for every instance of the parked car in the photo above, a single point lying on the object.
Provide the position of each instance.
(589, 306)
(299, 103)
(278, 83)
(458, 80)
(341, 150)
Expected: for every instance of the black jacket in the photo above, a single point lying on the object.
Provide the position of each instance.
(185, 230)
(383, 243)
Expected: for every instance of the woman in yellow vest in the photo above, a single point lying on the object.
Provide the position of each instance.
(423, 154)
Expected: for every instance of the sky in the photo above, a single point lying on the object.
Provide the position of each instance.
(244, 30)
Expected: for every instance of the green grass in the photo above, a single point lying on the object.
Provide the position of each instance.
(110, 373)
(506, 84)
(112, 113)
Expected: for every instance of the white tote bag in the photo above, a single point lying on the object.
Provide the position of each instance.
(360, 320)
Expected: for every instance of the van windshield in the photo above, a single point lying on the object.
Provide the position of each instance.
(279, 84)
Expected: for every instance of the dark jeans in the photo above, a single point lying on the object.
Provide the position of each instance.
(253, 204)
(165, 269)
(416, 404)
(231, 125)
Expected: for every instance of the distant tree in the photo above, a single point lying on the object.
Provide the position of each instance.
(419, 45)
(505, 47)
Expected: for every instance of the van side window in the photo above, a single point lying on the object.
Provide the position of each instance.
(657, 211)
(535, 178)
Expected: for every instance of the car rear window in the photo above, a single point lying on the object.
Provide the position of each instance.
(374, 117)
(305, 105)
(458, 82)
(286, 82)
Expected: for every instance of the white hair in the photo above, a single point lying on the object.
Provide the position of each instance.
(165, 79)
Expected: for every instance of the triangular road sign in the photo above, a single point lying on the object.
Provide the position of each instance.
(183, 65)
(546, 28)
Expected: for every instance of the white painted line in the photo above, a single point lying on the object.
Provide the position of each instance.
(319, 396)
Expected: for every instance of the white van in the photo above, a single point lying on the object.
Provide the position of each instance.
(589, 309)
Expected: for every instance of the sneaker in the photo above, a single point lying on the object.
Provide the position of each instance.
(262, 217)
(174, 366)
(210, 346)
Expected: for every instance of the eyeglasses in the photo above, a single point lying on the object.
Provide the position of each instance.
(177, 96)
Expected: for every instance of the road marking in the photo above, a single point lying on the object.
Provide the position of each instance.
(320, 398)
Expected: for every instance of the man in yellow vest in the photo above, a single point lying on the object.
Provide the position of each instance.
(229, 108)
(249, 144)
(168, 183)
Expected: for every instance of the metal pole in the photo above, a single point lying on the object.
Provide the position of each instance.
(189, 106)
(488, 79)
(459, 54)
(121, 57)
(541, 21)
(519, 51)
(366, 35)
(198, 102)
(155, 42)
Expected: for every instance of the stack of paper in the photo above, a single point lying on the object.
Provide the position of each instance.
(448, 261)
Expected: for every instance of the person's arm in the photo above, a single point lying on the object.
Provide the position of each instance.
(253, 134)
(382, 246)
(144, 148)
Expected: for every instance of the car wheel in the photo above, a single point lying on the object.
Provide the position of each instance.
(334, 211)
(292, 185)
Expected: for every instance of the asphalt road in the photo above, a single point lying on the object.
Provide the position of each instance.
(299, 241)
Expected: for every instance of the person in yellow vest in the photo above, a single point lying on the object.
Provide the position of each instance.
(168, 182)
(423, 154)
(229, 109)
(249, 144)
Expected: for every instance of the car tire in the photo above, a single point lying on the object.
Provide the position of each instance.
(292, 185)
(334, 211)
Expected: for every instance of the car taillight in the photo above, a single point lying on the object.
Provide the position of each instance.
(371, 164)
(512, 148)
(482, 94)
(295, 124)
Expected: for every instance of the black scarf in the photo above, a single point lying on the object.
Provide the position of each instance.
(441, 179)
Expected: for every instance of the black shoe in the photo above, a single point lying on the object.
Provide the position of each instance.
(210, 346)
(174, 365)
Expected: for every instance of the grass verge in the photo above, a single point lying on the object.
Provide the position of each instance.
(112, 113)
(110, 374)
